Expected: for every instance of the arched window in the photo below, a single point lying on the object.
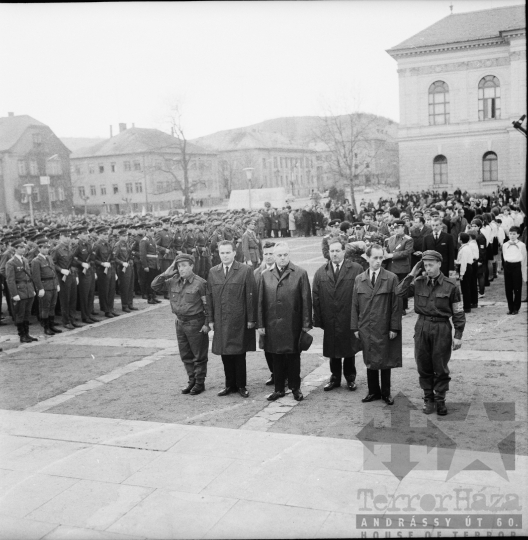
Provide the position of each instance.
(438, 103)
(440, 170)
(490, 167)
(489, 98)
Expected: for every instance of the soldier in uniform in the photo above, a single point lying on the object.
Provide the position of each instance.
(202, 255)
(63, 259)
(46, 283)
(83, 258)
(148, 255)
(21, 289)
(216, 238)
(335, 231)
(188, 302)
(4, 257)
(251, 246)
(163, 241)
(125, 270)
(138, 274)
(436, 300)
(189, 240)
(104, 264)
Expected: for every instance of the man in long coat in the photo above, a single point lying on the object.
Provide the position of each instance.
(376, 321)
(232, 314)
(284, 311)
(333, 286)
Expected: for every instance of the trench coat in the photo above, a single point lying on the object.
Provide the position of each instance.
(331, 308)
(375, 312)
(231, 304)
(284, 308)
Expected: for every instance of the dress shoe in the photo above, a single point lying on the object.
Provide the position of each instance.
(270, 381)
(297, 395)
(69, 326)
(515, 312)
(188, 388)
(156, 301)
(132, 308)
(352, 385)
(441, 409)
(474, 306)
(126, 310)
(389, 400)
(197, 389)
(115, 314)
(509, 313)
(75, 325)
(331, 385)
(92, 319)
(243, 392)
(276, 395)
(225, 392)
(25, 339)
(429, 407)
(86, 321)
(109, 315)
(94, 313)
(371, 397)
(143, 297)
(151, 301)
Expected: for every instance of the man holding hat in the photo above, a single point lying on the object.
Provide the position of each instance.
(436, 300)
(47, 284)
(21, 289)
(187, 295)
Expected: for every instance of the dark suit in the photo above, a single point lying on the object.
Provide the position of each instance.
(444, 246)
(418, 236)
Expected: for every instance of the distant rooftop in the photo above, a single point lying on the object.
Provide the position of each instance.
(472, 26)
(13, 127)
(136, 141)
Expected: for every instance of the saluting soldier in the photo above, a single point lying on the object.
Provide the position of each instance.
(83, 259)
(125, 269)
(251, 246)
(46, 282)
(436, 300)
(148, 255)
(187, 293)
(21, 289)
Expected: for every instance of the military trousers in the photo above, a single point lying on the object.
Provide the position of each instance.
(47, 304)
(194, 347)
(346, 367)
(287, 366)
(21, 310)
(68, 297)
(148, 278)
(126, 285)
(432, 352)
(3, 285)
(139, 278)
(86, 290)
(106, 289)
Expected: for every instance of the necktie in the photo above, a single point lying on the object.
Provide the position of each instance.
(336, 271)
(226, 270)
(373, 279)
(436, 237)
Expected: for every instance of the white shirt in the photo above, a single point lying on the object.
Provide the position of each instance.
(515, 253)
(507, 222)
(375, 273)
(227, 268)
(474, 249)
(336, 265)
(21, 259)
(465, 258)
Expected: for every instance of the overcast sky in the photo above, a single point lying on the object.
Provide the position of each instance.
(81, 67)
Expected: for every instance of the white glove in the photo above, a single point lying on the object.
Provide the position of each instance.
(65, 272)
(85, 265)
(16, 298)
(58, 288)
(106, 264)
(77, 280)
(125, 265)
(41, 293)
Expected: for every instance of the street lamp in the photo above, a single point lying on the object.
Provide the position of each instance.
(249, 175)
(29, 191)
(85, 199)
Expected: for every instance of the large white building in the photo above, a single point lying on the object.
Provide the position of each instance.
(462, 84)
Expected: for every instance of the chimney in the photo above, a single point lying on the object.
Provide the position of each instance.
(111, 132)
(122, 127)
(10, 114)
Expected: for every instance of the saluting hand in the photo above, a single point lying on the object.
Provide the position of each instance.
(417, 269)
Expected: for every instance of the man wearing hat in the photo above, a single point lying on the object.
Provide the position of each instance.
(187, 294)
(106, 278)
(21, 289)
(436, 300)
(125, 270)
(4, 257)
(83, 258)
(148, 255)
(418, 233)
(251, 246)
(335, 232)
(46, 282)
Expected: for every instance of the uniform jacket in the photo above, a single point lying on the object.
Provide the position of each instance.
(63, 258)
(102, 253)
(284, 308)
(444, 246)
(122, 252)
(402, 247)
(375, 312)
(331, 308)
(251, 247)
(83, 254)
(231, 304)
(18, 278)
(148, 253)
(43, 273)
(8, 253)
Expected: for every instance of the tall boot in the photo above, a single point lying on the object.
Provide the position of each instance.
(53, 326)
(22, 333)
(26, 327)
(47, 330)
(151, 300)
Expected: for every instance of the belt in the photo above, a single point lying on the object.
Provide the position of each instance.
(434, 319)
(47, 279)
(22, 281)
(191, 317)
(152, 256)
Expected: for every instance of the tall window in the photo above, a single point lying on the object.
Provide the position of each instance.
(438, 103)
(101, 168)
(103, 189)
(81, 191)
(137, 166)
(490, 167)
(129, 187)
(61, 193)
(139, 187)
(93, 190)
(489, 98)
(440, 170)
(115, 188)
(126, 165)
(33, 168)
(21, 168)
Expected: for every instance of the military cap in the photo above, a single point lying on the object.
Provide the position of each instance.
(43, 242)
(199, 222)
(418, 213)
(17, 241)
(64, 231)
(184, 257)
(122, 232)
(399, 222)
(334, 222)
(432, 255)
(358, 224)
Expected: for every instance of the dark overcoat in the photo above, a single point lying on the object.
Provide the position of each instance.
(231, 304)
(375, 312)
(284, 308)
(331, 308)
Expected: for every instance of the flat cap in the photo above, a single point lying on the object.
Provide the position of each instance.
(184, 257)
(432, 255)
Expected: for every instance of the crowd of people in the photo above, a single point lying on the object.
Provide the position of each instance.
(231, 271)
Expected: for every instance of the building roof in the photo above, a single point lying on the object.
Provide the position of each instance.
(137, 141)
(13, 127)
(461, 27)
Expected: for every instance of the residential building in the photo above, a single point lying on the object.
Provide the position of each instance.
(30, 153)
(141, 170)
(462, 84)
